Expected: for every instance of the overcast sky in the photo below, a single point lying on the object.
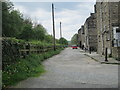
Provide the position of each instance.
(71, 14)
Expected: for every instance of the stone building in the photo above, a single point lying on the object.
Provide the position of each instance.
(81, 37)
(107, 15)
(90, 32)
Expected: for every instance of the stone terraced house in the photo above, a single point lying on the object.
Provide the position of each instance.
(102, 29)
(81, 37)
(108, 31)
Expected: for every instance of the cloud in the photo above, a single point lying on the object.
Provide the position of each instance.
(71, 19)
(21, 8)
(41, 14)
(86, 7)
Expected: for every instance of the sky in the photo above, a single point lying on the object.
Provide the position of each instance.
(71, 14)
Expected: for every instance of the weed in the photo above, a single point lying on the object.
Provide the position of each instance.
(31, 66)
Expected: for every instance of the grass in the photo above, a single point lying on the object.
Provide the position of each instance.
(31, 66)
(33, 42)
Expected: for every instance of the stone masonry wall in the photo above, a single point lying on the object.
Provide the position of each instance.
(116, 52)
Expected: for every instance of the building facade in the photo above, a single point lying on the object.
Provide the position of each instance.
(81, 37)
(101, 31)
(108, 32)
(90, 32)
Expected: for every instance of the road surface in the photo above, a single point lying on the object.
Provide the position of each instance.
(72, 69)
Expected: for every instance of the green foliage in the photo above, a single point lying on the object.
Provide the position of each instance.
(48, 38)
(14, 40)
(63, 41)
(39, 32)
(11, 47)
(6, 6)
(56, 40)
(51, 53)
(21, 31)
(40, 43)
(27, 33)
(24, 68)
(12, 20)
(74, 39)
(14, 25)
(29, 67)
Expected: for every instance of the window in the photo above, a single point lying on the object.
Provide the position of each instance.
(108, 36)
(116, 40)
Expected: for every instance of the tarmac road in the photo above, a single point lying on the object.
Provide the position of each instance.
(72, 69)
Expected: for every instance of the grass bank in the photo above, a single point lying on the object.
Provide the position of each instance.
(31, 66)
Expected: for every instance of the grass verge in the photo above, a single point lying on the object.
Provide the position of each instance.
(31, 66)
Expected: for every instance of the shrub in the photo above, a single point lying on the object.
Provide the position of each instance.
(31, 66)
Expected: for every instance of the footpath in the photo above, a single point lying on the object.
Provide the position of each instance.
(100, 58)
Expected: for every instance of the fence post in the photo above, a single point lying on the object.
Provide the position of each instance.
(17, 49)
(27, 48)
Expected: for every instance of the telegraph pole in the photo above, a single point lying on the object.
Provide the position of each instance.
(60, 31)
(54, 47)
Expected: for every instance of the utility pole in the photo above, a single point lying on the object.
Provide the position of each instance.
(54, 47)
(60, 31)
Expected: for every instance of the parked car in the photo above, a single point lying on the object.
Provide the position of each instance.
(74, 47)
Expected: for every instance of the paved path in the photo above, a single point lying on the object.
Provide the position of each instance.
(101, 58)
(72, 69)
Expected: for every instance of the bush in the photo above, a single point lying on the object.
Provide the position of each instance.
(24, 68)
(11, 47)
(31, 66)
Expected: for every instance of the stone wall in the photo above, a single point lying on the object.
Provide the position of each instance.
(91, 32)
(119, 15)
(79, 37)
(99, 27)
(116, 52)
(107, 18)
(83, 35)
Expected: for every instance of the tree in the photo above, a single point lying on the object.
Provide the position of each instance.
(12, 20)
(63, 41)
(27, 32)
(6, 7)
(39, 32)
(74, 39)
(16, 24)
(49, 38)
